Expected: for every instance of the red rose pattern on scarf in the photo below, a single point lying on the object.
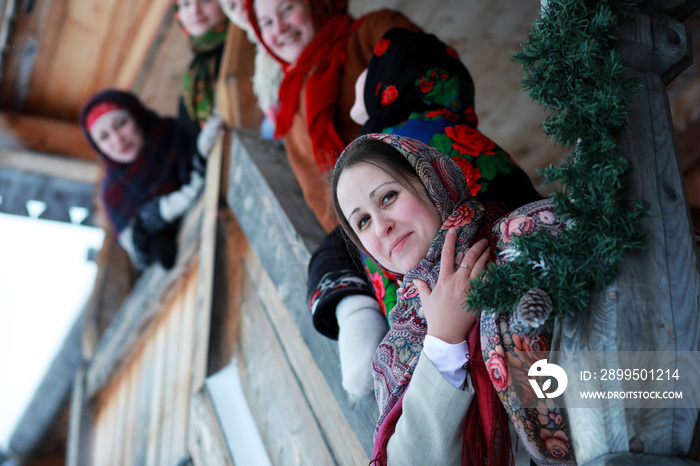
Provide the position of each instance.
(508, 356)
(381, 47)
(389, 95)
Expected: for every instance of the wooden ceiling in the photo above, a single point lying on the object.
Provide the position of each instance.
(59, 52)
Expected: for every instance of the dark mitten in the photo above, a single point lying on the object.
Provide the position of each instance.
(334, 272)
(164, 249)
(150, 217)
(141, 241)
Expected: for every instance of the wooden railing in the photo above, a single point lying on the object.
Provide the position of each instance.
(131, 399)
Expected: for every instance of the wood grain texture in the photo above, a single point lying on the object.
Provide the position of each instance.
(47, 135)
(68, 168)
(80, 425)
(147, 300)
(342, 441)
(289, 430)
(205, 279)
(235, 98)
(654, 302)
(262, 191)
(207, 443)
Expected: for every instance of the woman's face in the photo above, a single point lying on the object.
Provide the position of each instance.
(394, 225)
(358, 112)
(286, 27)
(198, 16)
(236, 11)
(117, 135)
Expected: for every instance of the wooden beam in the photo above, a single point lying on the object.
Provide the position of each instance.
(263, 191)
(652, 305)
(80, 423)
(146, 30)
(47, 135)
(139, 310)
(207, 443)
(207, 255)
(235, 99)
(55, 166)
(160, 82)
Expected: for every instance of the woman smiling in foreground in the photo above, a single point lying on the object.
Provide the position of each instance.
(407, 206)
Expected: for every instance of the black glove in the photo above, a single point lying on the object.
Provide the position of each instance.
(163, 249)
(141, 240)
(158, 247)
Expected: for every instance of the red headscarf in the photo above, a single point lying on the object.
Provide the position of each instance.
(320, 66)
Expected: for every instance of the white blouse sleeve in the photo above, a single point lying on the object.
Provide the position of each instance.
(449, 359)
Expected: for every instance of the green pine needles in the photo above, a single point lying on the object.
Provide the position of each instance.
(572, 68)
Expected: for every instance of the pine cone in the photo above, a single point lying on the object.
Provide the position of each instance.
(531, 313)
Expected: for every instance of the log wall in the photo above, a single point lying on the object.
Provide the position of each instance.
(141, 417)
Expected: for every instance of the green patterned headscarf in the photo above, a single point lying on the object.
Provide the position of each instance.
(199, 81)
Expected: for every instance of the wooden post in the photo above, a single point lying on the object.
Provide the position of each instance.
(653, 304)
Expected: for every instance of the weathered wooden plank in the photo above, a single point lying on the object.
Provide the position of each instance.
(83, 19)
(99, 440)
(340, 437)
(206, 267)
(263, 191)
(171, 324)
(235, 99)
(57, 166)
(145, 369)
(146, 301)
(33, 40)
(113, 282)
(47, 135)
(160, 82)
(120, 400)
(151, 14)
(155, 424)
(80, 424)
(207, 443)
(289, 430)
(653, 304)
(231, 246)
(184, 363)
(109, 428)
(130, 425)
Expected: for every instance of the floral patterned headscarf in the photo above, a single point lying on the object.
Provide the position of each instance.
(397, 355)
(415, 72)
(417, 86)
(199, 80)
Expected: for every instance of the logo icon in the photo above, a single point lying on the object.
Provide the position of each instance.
(544, 369)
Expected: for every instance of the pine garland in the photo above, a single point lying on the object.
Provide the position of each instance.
(572, 68)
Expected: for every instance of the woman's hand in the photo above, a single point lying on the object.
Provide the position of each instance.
(444, 305)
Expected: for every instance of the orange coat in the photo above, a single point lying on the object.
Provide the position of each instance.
(315, 185)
